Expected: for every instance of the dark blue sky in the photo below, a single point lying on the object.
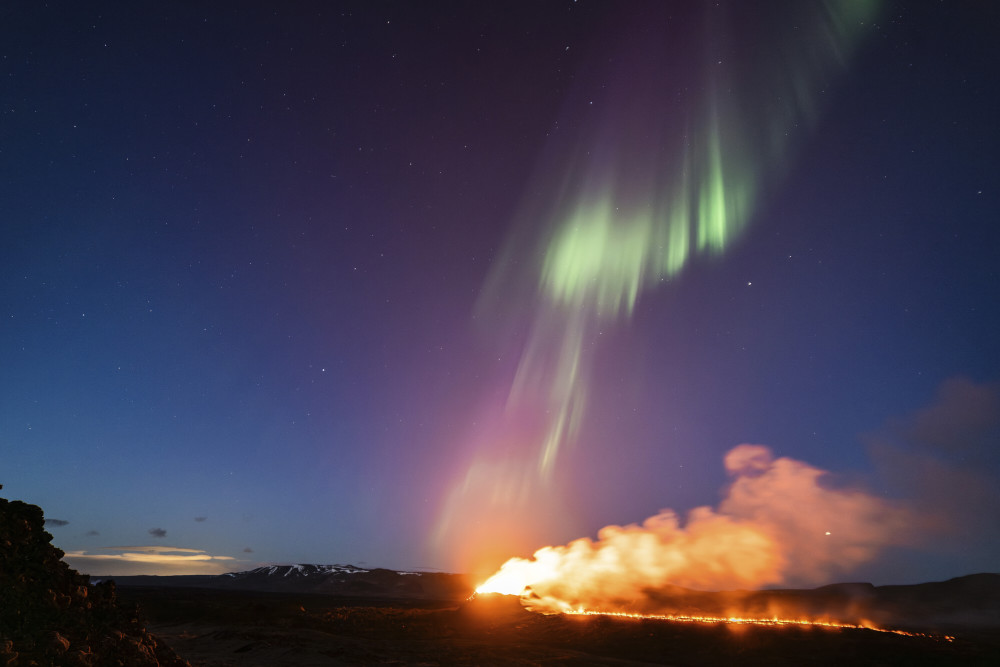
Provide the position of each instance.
(243, 249)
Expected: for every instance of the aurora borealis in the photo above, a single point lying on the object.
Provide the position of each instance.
(619, 228)
(413, 287)
(630, 214)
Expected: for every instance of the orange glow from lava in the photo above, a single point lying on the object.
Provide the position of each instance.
(779, 522)
(739, 620)
(732, 619)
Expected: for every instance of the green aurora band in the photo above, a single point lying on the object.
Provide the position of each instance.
(603, 252)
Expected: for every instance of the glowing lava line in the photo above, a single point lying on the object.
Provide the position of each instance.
(773, 621)
(740, 620)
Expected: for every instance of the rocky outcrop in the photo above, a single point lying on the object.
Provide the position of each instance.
(52, 615)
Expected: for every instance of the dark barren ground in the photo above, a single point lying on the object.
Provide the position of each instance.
(243, 628)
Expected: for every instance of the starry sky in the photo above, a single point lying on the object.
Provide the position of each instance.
(270, 274)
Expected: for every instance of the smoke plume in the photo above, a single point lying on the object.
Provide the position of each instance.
(779, 522)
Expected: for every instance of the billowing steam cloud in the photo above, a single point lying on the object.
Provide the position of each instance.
(818, 530)
(780, 522)
(670, 165)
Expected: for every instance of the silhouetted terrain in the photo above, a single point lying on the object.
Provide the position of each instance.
(344, 615)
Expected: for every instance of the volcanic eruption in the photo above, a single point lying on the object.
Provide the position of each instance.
(631, 211)
(780, 522)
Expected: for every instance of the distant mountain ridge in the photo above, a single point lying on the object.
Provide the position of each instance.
(298, 570)
(333, 579)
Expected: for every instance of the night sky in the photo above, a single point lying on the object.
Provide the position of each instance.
(270, 274)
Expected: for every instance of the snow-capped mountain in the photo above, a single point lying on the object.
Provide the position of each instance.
(296, 571)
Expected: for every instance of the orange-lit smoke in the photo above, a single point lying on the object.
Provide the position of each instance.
(779, 522)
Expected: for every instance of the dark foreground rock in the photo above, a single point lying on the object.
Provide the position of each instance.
(52, 615)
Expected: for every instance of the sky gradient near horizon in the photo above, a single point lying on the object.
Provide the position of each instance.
(270, 275)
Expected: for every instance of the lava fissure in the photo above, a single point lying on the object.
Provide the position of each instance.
(771, 621)
(738, 620)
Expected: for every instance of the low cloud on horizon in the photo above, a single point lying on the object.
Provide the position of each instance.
(157, 532)
(56, 522)
(149, 560)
